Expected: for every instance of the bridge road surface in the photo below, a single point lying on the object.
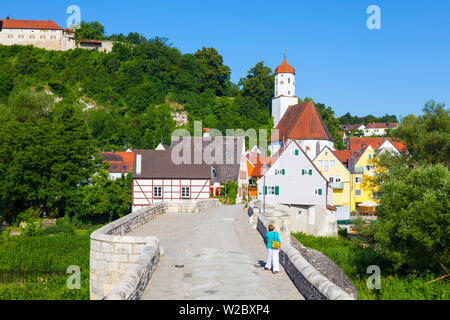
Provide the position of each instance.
(219, 250)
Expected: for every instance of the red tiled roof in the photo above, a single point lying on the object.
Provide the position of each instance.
(399, 146)
(303, 122)
(342, 155)
(90, 41)
(30, 24)
(284, 68)
(357, 143)
(120, 162)
(387, 125)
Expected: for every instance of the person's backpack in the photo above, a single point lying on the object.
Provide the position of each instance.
(275, 244)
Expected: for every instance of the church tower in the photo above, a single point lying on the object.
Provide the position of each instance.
(284, 91)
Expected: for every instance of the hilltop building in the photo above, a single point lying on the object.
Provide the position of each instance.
(45, 34)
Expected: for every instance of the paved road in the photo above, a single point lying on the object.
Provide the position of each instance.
(219, 251)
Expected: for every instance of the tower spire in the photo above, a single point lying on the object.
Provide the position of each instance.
(285, 53)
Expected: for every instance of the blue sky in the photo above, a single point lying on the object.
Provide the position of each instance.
(339, 61)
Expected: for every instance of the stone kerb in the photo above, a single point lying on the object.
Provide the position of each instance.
(310, 282)
(114, 256)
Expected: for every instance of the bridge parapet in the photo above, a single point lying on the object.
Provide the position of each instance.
(312, 284)
(121, 265)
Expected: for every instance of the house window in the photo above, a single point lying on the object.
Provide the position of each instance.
(295, 152)
(326, 153)
(320, 163)
(289, 80)
(332, 163)
(157, 192)
(358, 180)
(370, 156)
(317, 191)
(185, 192)
(326, 166)
(370, 168)
(358, 192)
(272, 190)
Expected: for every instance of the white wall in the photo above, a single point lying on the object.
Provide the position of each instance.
(280, 106)
(171, 190)
(295, 188)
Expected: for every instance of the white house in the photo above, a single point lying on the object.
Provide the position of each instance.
(295, 185)
(44, 34)
(379, 129)
(294, 180)
(156, 178)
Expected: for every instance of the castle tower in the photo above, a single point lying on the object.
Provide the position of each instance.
(284, 91)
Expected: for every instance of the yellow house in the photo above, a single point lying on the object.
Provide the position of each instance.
(363, 174)
(339, 178)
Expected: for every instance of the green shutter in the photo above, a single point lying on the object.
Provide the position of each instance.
(296, 152)
(276, 172)
(303, 172)
(277, 190)
(310, 172)
(284, 171)
(265, 190)
(320, 192)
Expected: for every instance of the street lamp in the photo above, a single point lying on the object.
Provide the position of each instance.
(264, 169)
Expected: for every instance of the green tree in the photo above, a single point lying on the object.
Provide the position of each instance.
(105, 197)
(427, 136)
(413, 227)
(90, 30)
(46, 154)
(213, 74)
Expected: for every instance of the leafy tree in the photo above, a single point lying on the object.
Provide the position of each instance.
(46, 153)
(213, 74)
(105, 197)
(413, 227)
(427, 136)
(90, 30)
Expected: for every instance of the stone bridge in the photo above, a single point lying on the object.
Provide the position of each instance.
(197, 251)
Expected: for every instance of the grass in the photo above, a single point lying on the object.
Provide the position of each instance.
(354, 259)
(34, 267)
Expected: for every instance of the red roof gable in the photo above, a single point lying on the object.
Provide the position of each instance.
(387, 125)
(342, 155)
(357, 143)
(120, 162)
(30, 24)
(302, 122)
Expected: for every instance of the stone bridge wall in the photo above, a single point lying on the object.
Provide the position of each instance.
(308, 280)
(121, 265)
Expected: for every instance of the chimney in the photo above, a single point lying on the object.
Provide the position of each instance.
(138, 164)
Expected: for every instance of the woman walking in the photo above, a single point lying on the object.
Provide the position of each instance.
(273, 247)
